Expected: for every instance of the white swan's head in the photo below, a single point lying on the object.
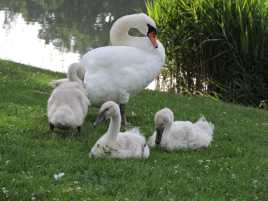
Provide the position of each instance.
(144, 23)
(140, 21)
(162, 120)
(150, 30)
(108, 110)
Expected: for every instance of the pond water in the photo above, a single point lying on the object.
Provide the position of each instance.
(52, 34)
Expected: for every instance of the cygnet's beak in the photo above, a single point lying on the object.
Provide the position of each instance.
(153, 38)
(100, 118)
(159, 133)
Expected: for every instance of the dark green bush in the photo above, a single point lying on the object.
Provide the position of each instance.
(216, 46)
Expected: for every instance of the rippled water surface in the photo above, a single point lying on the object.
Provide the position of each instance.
(51, 34)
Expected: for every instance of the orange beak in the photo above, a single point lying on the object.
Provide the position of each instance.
(153, 38)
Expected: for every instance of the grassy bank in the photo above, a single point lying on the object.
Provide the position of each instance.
(233, 168)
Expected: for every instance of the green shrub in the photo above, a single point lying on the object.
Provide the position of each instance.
(216, 46)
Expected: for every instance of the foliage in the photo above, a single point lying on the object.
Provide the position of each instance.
(216, 46)
(233, 168)
(71, 24)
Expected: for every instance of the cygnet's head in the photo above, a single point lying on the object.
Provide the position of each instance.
(162, 119)
(76, 72)
(108, 110)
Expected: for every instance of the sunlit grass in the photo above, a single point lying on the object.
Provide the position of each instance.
(233, 168)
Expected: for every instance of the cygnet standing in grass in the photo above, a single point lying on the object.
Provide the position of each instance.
(68, 105)
(116, 144)
(173, 135)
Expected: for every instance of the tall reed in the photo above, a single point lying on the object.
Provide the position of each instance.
(216, 46)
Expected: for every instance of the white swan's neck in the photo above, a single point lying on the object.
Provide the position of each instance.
(119, 31)
(114, 127)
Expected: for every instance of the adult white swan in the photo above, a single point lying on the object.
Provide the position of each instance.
(128, 66)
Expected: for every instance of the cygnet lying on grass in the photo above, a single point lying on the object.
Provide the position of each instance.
(173, 135)
(67, 106)
(116, 144)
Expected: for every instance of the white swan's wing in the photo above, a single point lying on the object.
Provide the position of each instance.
(112, 57)
(113, 72)
(120, 61)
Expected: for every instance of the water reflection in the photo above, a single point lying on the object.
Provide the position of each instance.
(54, 33)
(19, 42)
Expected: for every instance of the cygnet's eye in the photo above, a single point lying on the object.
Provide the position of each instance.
(98, 145)
(159, 124)
(106, 110)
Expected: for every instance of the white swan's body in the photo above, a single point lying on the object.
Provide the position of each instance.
(68, 105)
(114, 73)
(116, 144)
(118, 71)
(76, 72)
(181, 134)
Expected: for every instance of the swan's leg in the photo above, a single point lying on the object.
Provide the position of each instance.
(79, 129)
(51, 127)
(123, 114)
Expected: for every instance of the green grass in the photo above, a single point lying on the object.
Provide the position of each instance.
(235, 167)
